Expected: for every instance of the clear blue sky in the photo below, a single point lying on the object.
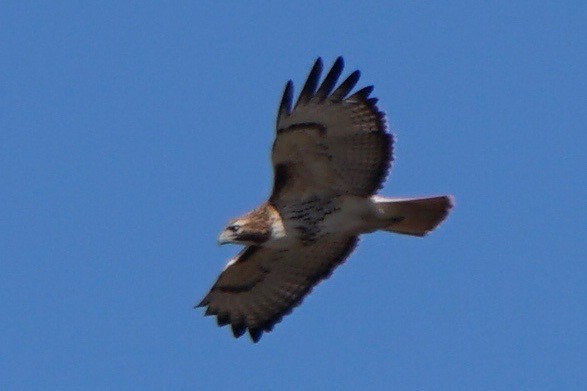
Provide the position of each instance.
(130, 132)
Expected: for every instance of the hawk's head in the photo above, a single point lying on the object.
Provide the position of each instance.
(254, 228)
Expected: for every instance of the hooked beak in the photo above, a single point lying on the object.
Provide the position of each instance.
(225, 237)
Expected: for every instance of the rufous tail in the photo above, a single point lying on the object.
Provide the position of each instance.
(414, 216)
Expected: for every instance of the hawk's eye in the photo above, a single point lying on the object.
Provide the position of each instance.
(233, 227)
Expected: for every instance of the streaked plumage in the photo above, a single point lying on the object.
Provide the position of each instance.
(330, 156)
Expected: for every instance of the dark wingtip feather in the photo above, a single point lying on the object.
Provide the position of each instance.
(268, 326)
(311, 83)
(210, 311)
(223, 319)
(205, 301)
(364, 92)
(255, 334)
(238, 329)
(331, 79)
(346, 86)
(286, 101)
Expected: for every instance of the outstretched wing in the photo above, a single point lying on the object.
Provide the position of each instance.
(329, 144)
(261, 285)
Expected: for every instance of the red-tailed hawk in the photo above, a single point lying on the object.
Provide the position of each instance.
(330, 156)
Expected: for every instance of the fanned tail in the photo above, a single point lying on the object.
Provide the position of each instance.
(414, 216)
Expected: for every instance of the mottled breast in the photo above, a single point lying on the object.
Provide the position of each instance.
(305, 220)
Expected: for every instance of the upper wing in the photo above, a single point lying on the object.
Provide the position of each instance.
(329, 144)
(262, 285)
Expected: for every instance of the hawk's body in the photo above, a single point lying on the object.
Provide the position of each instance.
(331, 154)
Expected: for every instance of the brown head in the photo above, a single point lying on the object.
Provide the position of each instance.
(254, 228)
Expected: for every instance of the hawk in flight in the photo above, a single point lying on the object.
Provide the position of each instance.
(331, 154)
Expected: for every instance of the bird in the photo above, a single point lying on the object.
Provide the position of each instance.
(331, 155)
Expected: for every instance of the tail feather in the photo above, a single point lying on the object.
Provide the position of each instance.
(414, 216)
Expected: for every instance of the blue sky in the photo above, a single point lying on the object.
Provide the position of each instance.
(130, 132)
